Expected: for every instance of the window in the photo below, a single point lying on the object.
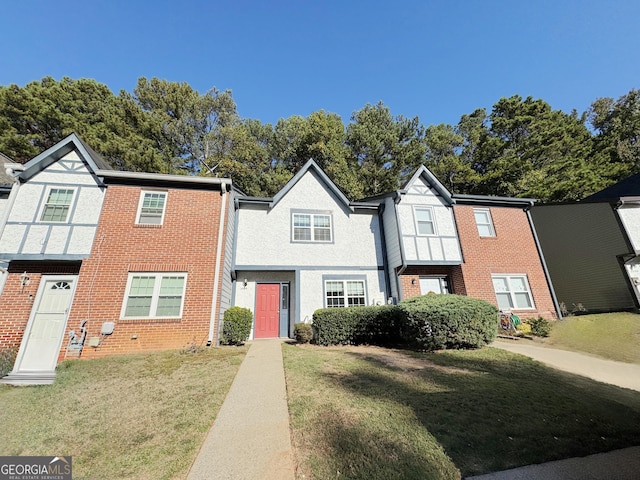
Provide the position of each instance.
(151, 208)
(433, 284)
(154, 295)
(512, 292)
(424, 221)
(312, 227)
(341, 293)
(56, 209)
(484, 222)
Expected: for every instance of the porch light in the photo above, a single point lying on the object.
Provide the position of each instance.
(24, 280)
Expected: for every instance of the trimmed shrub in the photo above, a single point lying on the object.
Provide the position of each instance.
(303, 332)
(356, 325)
(236, 326)
(7, 359)
(540, 327)
(435, 322)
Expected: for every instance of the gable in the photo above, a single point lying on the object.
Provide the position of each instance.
(311, 192)
(60, 151)
(320, 177)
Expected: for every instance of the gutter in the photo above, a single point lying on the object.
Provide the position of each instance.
(544, 262)
(218, 267)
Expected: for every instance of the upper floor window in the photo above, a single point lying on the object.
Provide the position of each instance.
(151, 208)
(484, 222)
(154, 295)
(512, 292)
(312, 227)
(56, 208)
(425, 224)
(344, 293)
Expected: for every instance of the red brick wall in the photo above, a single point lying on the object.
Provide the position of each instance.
(185, 242)
(413, 273)
(512, 250)
(17, 301)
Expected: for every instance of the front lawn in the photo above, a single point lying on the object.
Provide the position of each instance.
(127, 417)
(368, 412)
(615, 336)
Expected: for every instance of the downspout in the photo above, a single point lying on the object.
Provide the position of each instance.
(544, 263)
(219, 266)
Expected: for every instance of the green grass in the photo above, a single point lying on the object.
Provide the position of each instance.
(615, 336)
(127, 417)
(365, 412)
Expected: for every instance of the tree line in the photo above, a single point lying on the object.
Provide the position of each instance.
(521, 148)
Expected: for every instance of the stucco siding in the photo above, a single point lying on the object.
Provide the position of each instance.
(26, 234)
(443, 245)
(582, 244)
(630, 217)
(265, 236)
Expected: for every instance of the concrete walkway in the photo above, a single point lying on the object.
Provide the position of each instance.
(250, 437)
(620, 464)
(625, 375)
(617, 465)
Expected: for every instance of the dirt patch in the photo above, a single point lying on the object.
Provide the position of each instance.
(401, 361)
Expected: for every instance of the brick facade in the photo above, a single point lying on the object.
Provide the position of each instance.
(17, 301)
(512, 250)
(410, 279)
(185, 242)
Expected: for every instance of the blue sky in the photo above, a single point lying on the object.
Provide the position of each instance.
(434, 59)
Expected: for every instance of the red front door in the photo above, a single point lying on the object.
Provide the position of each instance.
(267, 310)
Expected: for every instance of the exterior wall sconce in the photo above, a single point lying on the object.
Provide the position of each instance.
(244, 283)
(413, 281)
(24, 280)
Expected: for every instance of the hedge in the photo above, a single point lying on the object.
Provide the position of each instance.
(356, 325)
(429, 322)
(435, 322)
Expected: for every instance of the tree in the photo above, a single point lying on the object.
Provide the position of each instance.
(524, 148)
(444, 158)
(385, 148)
(617, 142)
(189, 126)
(40, 114)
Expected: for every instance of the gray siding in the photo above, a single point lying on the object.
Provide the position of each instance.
(582, 244)
(390, 222)
(227, 284)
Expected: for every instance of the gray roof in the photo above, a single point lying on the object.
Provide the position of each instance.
(6, 180)
(628, 187)
(59, 150)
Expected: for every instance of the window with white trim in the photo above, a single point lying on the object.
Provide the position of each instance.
(434, 285)
(512, 292)
(154, 295)
(484, 222)
(425, 224)
(345, 293)
(311, 227)
(56, 208)
(151, 208)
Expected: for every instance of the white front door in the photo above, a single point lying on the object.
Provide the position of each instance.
(43, 335)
